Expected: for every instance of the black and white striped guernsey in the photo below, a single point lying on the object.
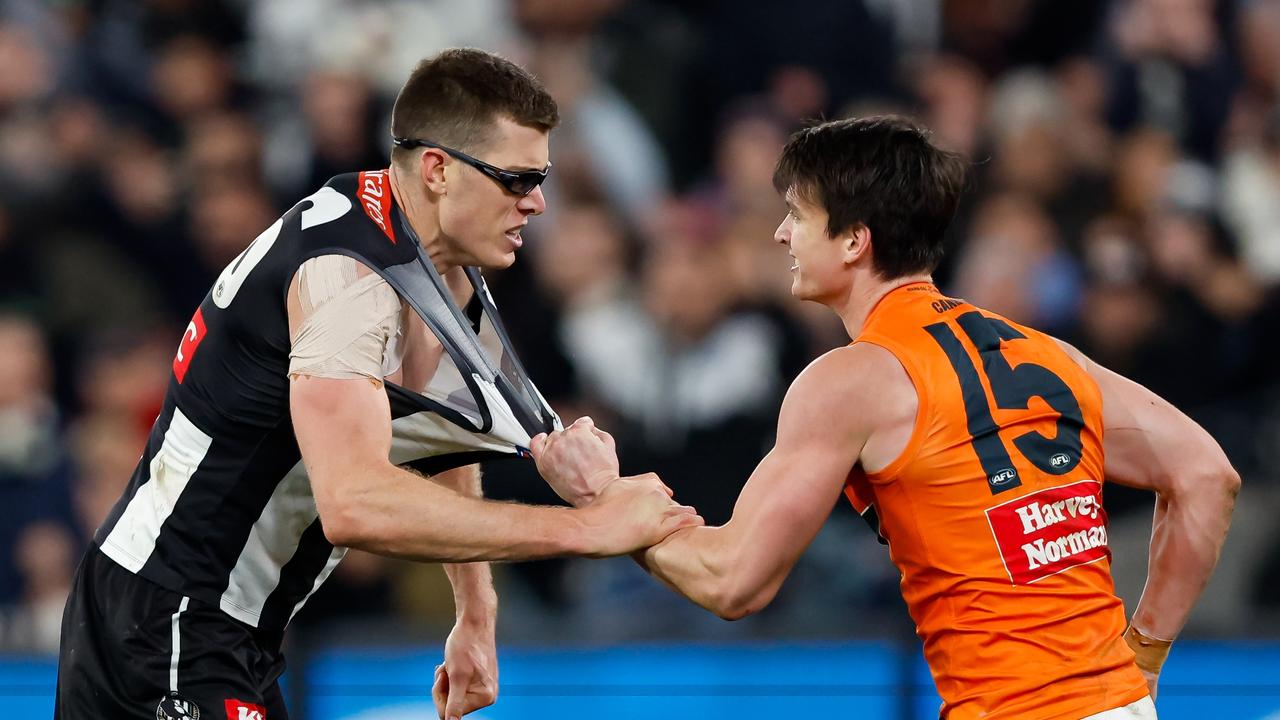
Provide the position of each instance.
(219, 507)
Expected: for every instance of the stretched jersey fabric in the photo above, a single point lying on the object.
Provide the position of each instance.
(993, 514)
(219, 507)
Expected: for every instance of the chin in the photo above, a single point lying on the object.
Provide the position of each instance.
(504, 261)
(494, 260)
(804, 294)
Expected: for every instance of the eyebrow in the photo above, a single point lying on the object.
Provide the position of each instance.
(510, 168)
(520, 168)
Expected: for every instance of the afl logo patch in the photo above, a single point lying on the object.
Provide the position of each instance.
(176, 707)
(1003, 477)
(1060, 460)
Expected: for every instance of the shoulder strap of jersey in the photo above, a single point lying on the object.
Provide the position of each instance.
(420, 285)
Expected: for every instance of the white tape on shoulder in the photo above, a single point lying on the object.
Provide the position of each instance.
(348, 320)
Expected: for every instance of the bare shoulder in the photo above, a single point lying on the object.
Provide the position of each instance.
(854, 388)
(1115, 387)
(854, 367)
(1124, 401)
(1072, 352)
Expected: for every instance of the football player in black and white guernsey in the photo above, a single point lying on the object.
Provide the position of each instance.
(352, 337)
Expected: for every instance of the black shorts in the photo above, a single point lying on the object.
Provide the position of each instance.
(132, 649)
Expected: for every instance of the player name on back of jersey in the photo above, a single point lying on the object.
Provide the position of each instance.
(1051, 530)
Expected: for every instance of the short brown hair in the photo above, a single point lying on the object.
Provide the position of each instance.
(881, 173)
(455, 97)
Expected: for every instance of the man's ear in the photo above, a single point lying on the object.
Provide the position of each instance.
(431, 170)
(856, 243)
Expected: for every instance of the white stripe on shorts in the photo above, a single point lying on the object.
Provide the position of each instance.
(1143, 709)
(177, 646)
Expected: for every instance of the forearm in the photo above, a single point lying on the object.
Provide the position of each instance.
(1188, 532)
(736, 569)
(396, 513)
(695, 563)
(474, 598)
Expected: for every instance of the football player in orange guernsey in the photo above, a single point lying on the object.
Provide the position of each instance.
(977, 446)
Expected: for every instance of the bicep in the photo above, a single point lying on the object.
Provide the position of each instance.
(792, 491)
(340, 316)
(342, 426)
(786, 501)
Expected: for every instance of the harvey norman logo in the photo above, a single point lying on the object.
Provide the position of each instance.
(375, 198)
(241, 710)
(1052, 530)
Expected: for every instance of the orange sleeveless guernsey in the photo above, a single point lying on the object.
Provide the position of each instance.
(993, 515)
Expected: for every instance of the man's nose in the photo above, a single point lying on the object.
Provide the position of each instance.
(783, 233)
(534, 203)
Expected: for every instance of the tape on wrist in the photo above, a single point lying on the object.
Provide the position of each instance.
(1149, 652)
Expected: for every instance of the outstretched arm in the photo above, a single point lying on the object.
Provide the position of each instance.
(1149, 444)
(344, 431)
(736, 569)
(341, 316)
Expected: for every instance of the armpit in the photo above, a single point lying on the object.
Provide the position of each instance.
(348, 319)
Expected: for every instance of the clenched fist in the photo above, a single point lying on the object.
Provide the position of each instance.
(577, 462)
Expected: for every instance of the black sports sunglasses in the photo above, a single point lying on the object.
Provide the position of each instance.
(516, 183)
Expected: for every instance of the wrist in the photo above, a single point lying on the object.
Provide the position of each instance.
(584, 499)
(1149, 652)
(645, 558)
(580, 536)
(594, 484)
(477, 611)
(477, 621)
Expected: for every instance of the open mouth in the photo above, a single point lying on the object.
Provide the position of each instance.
(514, 237)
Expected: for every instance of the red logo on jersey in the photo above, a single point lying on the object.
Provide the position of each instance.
(241, 710)
(191, 340)
(1049, 531)
(375, 198)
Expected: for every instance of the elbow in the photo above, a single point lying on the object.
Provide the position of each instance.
(737, 584)
(1222, 480)
(340, 527)
(731, 611)
(350, 503)
(1229, 487)
(1231, 483)
(732, 603)
(342, 520)
(1216, 483)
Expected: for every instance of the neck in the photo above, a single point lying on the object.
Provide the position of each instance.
(863, 296)
(424, 217)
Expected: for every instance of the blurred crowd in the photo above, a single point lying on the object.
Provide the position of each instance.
(1125, 195)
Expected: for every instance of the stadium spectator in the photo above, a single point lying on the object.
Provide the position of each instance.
(35, 478)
